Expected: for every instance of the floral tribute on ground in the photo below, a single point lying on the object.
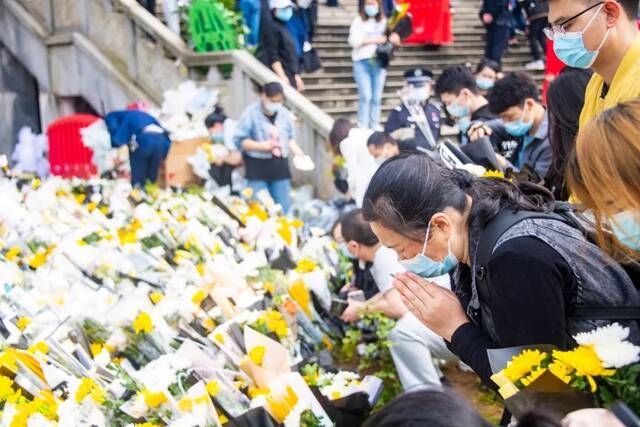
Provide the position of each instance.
(124, 307)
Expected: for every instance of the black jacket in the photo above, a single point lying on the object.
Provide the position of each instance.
(279, 46)
(499, 9)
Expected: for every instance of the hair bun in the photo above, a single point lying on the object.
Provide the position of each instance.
(463, 178)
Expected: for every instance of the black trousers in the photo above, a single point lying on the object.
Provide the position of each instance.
(497, 41)
(537, 39)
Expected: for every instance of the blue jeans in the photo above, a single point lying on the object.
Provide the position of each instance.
(251, 13)
(280, 191)
(369, 77)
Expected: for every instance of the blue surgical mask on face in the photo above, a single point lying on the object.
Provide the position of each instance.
(217, 138)
(570, 48)
(456, 110)
(344, 250)
(284, 14)
(626, 227)
(272, 107)
(484, 84)
(518, 128)
(371, 10)
(425, 267)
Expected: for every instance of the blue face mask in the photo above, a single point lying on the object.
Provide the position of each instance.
(518, 127)
(371, 10)
(425, 267)
(463, 124)
(626, 227)
(217, 138)
(456, 110)
(569, 47)
(284, 14)
(272, 107)
(484, 84)
(344, 250)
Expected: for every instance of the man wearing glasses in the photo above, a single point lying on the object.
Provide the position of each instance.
(603, 36)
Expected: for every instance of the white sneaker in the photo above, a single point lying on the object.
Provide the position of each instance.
(535, 65)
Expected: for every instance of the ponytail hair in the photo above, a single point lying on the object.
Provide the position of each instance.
(408, 190)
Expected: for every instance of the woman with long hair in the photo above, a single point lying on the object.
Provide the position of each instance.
(539, 271)
(367, 32)
(565, 98)
(605, 177)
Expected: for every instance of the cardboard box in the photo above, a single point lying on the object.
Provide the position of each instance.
(176, 171)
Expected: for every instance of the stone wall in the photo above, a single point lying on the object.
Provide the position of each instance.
(18, 100)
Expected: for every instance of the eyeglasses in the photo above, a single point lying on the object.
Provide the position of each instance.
(558, 30)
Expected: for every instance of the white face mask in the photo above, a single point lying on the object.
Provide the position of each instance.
(418, 95)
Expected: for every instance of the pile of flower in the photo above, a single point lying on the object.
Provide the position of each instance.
(124, 307)
(603, 364)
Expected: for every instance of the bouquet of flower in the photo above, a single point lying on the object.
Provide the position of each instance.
(602, 369)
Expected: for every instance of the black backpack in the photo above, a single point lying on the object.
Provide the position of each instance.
(565, 213)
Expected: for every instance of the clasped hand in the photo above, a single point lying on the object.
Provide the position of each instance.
(436, 307)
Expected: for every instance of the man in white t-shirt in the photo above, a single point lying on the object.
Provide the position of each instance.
(350, 142)
(415, 345)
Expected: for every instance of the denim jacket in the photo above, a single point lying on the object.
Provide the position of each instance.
(254, 125)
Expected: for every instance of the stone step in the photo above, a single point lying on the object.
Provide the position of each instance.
(459, 53)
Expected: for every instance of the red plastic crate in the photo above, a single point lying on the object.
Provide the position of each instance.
(68, 157)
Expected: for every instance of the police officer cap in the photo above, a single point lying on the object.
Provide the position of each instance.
(418, 76)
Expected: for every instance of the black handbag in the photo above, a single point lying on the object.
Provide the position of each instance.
(385, 53)
(311, 60)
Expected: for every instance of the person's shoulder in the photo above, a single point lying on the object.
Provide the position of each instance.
(357, 20)
(432, 108)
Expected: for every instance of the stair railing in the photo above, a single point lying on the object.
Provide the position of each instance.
(155, 59)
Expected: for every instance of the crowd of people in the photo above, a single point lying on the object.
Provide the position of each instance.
(488, 262)
(467, 263)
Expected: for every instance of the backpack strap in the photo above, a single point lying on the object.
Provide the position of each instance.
(506, 219)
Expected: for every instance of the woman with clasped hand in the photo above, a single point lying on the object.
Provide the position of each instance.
(537, 271)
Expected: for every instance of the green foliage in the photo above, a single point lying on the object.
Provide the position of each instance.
(375, 355)
(623, 385)
(309, 419)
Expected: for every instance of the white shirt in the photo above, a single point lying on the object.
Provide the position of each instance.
(359, 163)
(385, 263)
(360, 30)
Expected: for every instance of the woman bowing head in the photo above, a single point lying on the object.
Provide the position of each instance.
(519, 273)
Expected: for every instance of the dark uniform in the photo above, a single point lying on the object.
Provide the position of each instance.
(400, 117)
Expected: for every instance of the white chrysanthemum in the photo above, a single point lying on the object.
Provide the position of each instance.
(618, 354)
(38, 420)
(604, 335)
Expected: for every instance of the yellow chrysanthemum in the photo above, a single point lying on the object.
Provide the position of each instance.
(40, 346)
(40, 258)
(154, 399)
(336, 395)
(213, 388)
(22, 323)
(12, 253)
(208, 323)
(300, 294)
(201, 268)
(223, 420)
(199, 296)
(96, 349)
(186, 404)
(532, 376)
(88, 387)
(143, 323)
(6, 387)
(219, 338)
(156, 297)
(270, 287)
(255, 392)
(305, 266)
(561, 370)
(146, 425)
(282, 404)
(282, 330)
(522, 364)
(256, 354)
(493, 174)
(585, 362)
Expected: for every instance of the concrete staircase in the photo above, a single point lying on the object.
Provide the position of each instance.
(333, 88)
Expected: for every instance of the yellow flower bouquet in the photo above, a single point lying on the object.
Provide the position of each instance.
(601, 369)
